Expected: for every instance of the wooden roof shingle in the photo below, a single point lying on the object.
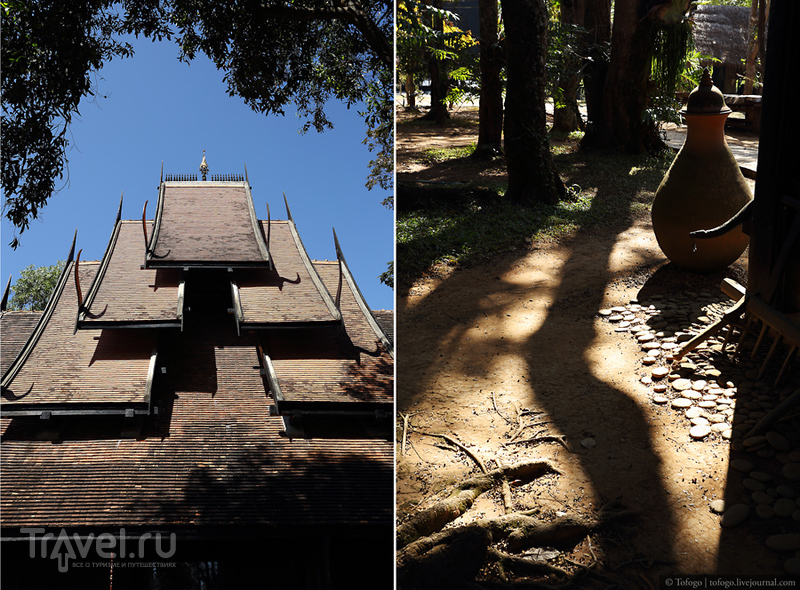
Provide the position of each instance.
(206, 223)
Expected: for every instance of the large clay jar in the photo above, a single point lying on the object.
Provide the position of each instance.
(702, 189)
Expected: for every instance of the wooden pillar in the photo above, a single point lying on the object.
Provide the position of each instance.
(779, 153)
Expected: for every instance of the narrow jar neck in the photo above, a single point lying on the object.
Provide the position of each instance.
(705, 132)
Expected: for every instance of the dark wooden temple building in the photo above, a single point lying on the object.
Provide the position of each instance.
(205, 407)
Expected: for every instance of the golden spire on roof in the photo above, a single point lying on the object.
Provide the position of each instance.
(204, 166)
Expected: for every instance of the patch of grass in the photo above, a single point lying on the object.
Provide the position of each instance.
(604, 191)
(439, 155)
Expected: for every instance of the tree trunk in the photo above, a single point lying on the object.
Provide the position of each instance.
(752, 53)
(763, 13)
(411, 92)
(567, 116)
(531, 176)
(438, 74)
(622, 125)
(490, 109)
(597, 22)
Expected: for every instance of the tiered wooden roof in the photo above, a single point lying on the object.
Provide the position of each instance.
(172, 416)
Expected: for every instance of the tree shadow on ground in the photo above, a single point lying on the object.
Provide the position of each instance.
(556, 365)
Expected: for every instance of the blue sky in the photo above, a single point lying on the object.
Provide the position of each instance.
(157, 108)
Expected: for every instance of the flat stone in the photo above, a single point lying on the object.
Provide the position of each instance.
(753, 485)
(778, 441)
(754, 441)
(660, 399)
(588, 443)
(660, 372)
(784, 507)
(605, 312)
(718, 419)
(761, 476)
(791, 471)
(681, 384)
(764, 511)
(742, 465)
(682, 402)
(700, 431)
(699, 385)
(792, 566)
(707, 404)
(615, 318)
(691, 394)
(720, 426)
(694, 413)
(717, 506)
(649, 360)
(784, 542)
(764, 498)
(786, 491)
(699, 421)
(660, 387)
(646, 337)
(735, 515)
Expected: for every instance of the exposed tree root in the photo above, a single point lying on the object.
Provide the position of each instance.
(434, 518)
(452, 558)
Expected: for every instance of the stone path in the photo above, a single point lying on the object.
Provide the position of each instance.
(721, 400)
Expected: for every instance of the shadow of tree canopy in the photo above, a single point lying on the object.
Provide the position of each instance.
(469, 223)
(556, 372)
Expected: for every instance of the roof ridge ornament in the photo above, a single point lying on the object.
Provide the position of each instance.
(204, 166)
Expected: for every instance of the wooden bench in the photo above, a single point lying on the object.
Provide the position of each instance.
(750, 105)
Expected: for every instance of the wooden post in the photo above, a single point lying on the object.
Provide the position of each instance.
(778, 173)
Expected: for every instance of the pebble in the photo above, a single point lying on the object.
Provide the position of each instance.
(792, 566)
(761, 476)
(699, 431)
(694, 413)
(742, 465)
(735, 515)
(753, 485)
(762, 498)
(754, 441)
(786, 491)
(718, 506)
(682, 402)
(791, 471)
(784, 542)
(699, 421)
(778, 441)
(784, 507)
(588, 443)
(660, 399)
(764, 511)
(660, 372)
(699, 385)
(660, 387)
(681, 384)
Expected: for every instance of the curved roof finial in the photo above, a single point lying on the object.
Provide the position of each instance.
(204, 166)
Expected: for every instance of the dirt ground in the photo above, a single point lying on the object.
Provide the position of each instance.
(516, 348)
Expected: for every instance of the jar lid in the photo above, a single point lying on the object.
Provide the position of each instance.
(706, 99)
